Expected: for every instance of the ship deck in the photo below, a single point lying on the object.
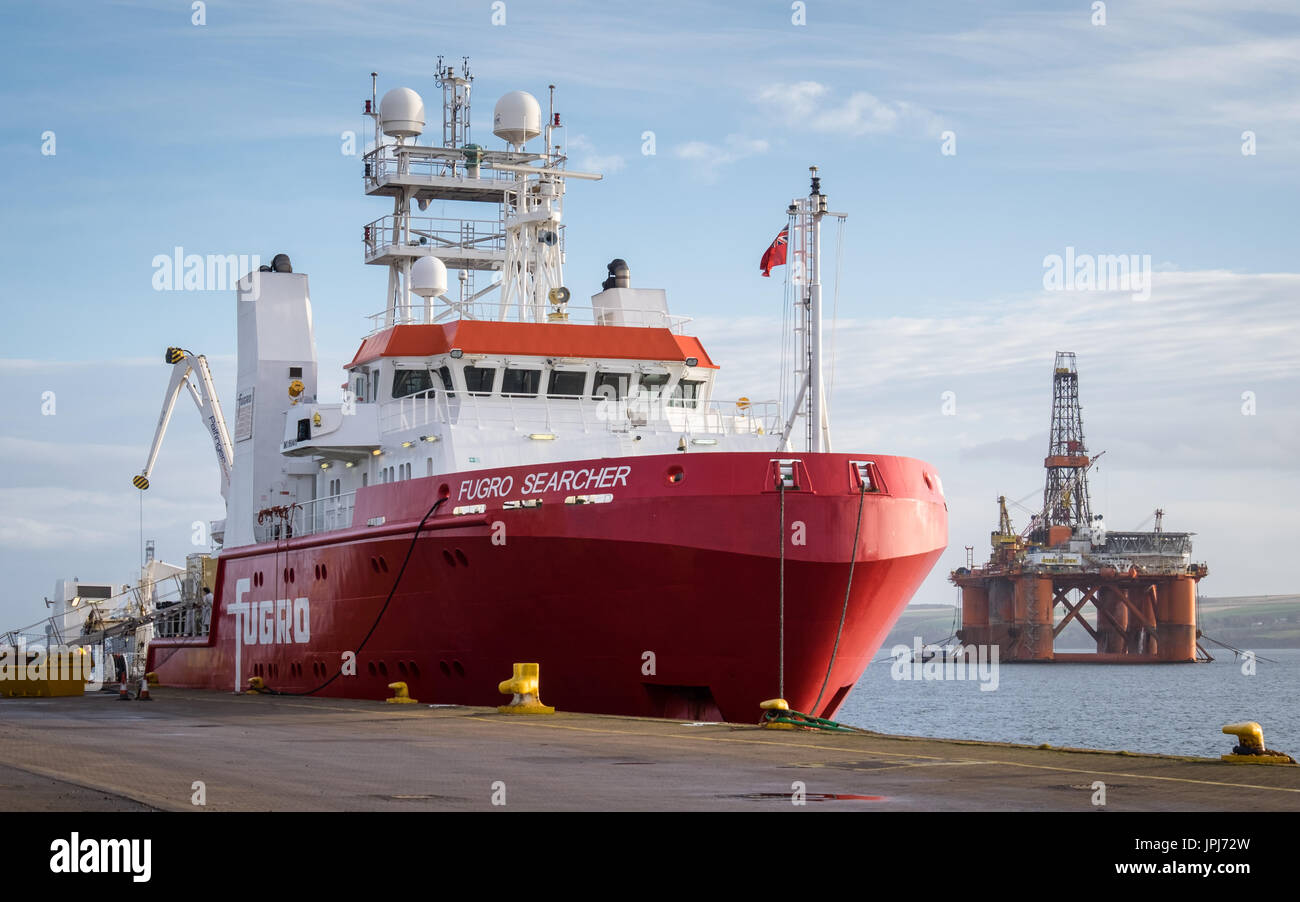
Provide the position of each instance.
(259, 753)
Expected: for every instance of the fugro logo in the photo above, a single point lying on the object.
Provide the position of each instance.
(282, 621)
(103, 856)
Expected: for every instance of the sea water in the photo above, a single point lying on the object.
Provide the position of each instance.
(1174, 709)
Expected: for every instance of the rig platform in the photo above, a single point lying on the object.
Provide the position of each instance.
(1140, 586)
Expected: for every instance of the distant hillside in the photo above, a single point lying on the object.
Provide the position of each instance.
(1253, 621)
(1245, 621)
(932, 622)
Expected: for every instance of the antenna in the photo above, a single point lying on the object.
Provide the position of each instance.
(455, 102)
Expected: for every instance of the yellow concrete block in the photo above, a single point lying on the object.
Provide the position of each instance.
(38, 674)
(1258, 759)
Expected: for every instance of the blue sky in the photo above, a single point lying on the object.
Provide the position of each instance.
(1117, 138)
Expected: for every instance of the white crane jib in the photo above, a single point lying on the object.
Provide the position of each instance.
(191, 371)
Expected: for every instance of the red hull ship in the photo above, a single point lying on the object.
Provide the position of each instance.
(507, 484)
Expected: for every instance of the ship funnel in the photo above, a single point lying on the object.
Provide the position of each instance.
(401, 113)
(517, 118)
(429, 277)
(619, 275)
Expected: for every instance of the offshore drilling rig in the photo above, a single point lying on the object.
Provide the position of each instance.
(1141, 586)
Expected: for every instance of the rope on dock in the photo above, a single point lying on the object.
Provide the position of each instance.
(791, 719)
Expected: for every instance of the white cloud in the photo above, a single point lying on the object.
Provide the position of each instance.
(1160, 382)
(590, 160)
(709, 158)
(809, 105)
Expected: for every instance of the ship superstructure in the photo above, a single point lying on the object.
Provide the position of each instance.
(510, 476)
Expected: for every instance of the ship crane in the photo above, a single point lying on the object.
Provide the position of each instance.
(191, 371)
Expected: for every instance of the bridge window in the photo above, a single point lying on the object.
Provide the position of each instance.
(410, 382)
(611, 386)
(479, 380)
(523, 383)
(567, 383)
(686, 394)
(654, 381)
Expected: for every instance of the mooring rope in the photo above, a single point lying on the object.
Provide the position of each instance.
(844, 611)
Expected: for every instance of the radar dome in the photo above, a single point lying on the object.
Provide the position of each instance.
(517, 117)
(401, 113)
(428, 277)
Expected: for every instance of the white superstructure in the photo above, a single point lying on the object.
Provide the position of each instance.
(478, 359)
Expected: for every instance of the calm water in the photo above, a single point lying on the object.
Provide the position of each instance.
(1170, 708)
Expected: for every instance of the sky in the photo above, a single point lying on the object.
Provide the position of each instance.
(967, 142)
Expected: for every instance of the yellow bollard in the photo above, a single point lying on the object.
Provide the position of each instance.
(525, 687)
(779, 705)
(257, 686)
(401, 696)
(1251, 749)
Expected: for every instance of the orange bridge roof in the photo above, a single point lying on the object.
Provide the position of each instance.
(532, 340)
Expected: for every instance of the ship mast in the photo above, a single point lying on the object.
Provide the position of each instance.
(522, 244)
(806, 215)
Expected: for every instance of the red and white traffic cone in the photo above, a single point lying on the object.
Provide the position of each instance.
(122, 694)
(144, 691)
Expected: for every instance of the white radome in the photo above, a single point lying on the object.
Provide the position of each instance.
(429, 277)
(517, 117)
(401, 113)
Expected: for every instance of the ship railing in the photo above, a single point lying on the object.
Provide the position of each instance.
(490, 311)
(385, 162)
(436, 232)
(308, 518)
(162, 602)
(551, 414)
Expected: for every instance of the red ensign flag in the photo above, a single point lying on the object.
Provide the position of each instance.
(775, 255)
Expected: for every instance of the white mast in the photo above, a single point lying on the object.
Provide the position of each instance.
(806, 214)
(819, 428)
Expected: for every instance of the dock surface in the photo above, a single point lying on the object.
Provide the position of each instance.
(273, 753)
